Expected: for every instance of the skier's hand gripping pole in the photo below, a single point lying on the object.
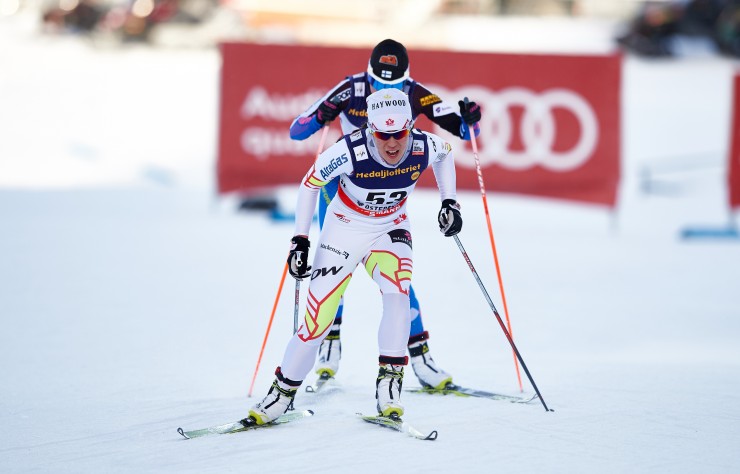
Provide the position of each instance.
(298, 270)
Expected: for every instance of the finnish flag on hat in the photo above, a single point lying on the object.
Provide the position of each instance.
(388, 110)
(389, 63)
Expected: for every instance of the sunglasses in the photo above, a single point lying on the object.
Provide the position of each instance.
(385, 136)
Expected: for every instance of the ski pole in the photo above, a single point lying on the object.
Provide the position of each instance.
(269, 326)
(296, 303)
(299, 262)
(482, 187)
(500, 321)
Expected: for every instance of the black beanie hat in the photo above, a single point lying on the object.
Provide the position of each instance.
(389, 62)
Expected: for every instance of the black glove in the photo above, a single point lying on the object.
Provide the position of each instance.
(298, 257)
(327, 112)
(469, 111)
(450, 220)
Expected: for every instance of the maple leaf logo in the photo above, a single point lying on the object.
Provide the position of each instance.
(400, 219)
(389, 122)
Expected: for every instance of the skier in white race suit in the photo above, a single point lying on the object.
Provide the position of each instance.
(378, 168)
(388, 68)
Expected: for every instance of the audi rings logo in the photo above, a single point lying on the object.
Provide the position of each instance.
(537, 127)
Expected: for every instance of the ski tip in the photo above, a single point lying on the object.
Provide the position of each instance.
(310, 389)
(432, 436)
(310, 412)
(366, 417)
(526, 401)
(180, 430)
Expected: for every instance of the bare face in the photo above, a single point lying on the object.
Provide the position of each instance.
(391, 150)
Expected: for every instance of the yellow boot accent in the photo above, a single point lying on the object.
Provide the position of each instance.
(330, 373)
(257, 417)
(443, 383)
(391, 411)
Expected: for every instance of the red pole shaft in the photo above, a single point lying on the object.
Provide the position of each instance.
(269, 326)
(493, 247)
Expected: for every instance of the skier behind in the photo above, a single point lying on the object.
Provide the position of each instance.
(388, 68)
(377, 167)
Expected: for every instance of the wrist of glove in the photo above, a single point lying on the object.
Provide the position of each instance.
(449, 218)
(298, 257)
(469, 111)
(326, 112)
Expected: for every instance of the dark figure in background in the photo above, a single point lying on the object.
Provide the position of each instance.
(83, 18)
(728, 29)
(652, 32)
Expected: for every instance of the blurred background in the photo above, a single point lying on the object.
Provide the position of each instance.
(176, 41)
(650, 28)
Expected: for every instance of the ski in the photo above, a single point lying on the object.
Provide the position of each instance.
(452, 389)
(244, 425)
(396, 423)
(320, 382)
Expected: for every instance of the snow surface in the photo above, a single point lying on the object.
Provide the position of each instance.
(134, 302)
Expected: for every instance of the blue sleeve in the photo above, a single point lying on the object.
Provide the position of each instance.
(465, 130)
(303, 127)
(327, 194)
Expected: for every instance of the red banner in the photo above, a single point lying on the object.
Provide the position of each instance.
(733, 185)
(550, 126)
